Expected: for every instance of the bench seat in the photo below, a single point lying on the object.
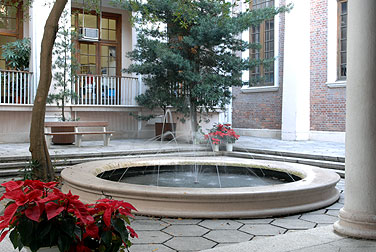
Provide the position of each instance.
(78, 135)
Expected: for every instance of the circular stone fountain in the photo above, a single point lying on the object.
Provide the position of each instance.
(314, 189)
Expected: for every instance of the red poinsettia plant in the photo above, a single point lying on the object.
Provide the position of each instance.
(40, 215)
(221, 133)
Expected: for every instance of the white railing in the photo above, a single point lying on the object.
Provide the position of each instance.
(16, 87)
(106, 90)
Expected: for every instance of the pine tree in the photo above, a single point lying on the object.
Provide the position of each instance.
(188, 51)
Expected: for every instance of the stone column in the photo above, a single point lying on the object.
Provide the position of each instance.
(358, 216)
(296, 73)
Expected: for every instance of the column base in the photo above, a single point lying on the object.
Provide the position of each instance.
(357, 225)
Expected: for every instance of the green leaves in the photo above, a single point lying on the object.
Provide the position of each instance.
(189, 51)
(17, 54)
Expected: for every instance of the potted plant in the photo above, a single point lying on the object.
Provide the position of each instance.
(214, 137)
(39, 215)
(222, 133)
(229, 136)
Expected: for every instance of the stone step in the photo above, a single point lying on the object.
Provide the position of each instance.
(10, 168)
(290, 154)
(319, 163)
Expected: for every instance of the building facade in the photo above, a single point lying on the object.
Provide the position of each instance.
(300, 96)
(306, 99)
(104, 93)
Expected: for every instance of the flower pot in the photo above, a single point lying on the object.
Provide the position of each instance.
(45, 249)
(168, 127)
(229, 146)
(215, 147)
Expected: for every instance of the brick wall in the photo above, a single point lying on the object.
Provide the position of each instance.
(260, 110)
(327, 104)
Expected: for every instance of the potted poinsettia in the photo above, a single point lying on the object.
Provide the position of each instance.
(229, 136)
(222, 133)
(215, 137)
(107, 232)
(39, 215)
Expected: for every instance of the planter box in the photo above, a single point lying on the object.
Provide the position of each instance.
(168, 127)
(64, 139)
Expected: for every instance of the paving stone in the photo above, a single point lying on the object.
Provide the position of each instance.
(224, 244)
(190, 243)
(322, 225)
(319, 218)
(150, 248)
(321, 248)
(186, 230)
(354, 243)
(319, 211)
(260, 237)
(255, 221)
(333, 212)
(335, 206)
(262, 229)
(148, 224)
(293, 224)
(220, 224)
(147, 237)
(296, 216)
(180, 221)
(228, 236)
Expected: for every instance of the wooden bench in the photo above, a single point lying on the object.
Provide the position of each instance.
(78, 135)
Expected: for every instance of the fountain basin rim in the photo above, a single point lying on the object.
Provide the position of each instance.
(308, 174)
(314, 191)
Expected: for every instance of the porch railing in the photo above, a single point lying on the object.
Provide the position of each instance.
(106, 90)
(16, 87)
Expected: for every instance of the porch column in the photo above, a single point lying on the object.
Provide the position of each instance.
(358, 216)
(296, 73)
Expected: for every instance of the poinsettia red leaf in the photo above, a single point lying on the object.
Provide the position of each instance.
(50, 197)
(92, 230)
(53, 209)
(33, 213)
(3, 235)
(14, 195)
(34, 195)
(9, 212)
(127, 205)
(107, 216)
(13, 185)
(132, 232)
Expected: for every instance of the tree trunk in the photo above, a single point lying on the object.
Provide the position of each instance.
(38, 147)
(193, 114)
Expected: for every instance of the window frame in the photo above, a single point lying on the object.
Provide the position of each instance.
(18, 32)
(339, 39)
(246, 74)
(117, 43)
(332, 47)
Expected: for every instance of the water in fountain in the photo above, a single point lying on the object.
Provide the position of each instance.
(195, 175)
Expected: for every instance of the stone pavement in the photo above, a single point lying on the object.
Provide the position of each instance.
(246, 142)
(268, 234)
(170, 235)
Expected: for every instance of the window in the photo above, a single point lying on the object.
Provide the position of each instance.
(99, 57)
(10, 27)
(263, 34)
(342, 40)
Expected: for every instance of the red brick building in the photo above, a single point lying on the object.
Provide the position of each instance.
(305, 97)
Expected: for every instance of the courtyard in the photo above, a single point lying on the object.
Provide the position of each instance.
(179, 234)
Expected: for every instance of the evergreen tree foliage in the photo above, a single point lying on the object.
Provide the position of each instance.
(189, 51)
